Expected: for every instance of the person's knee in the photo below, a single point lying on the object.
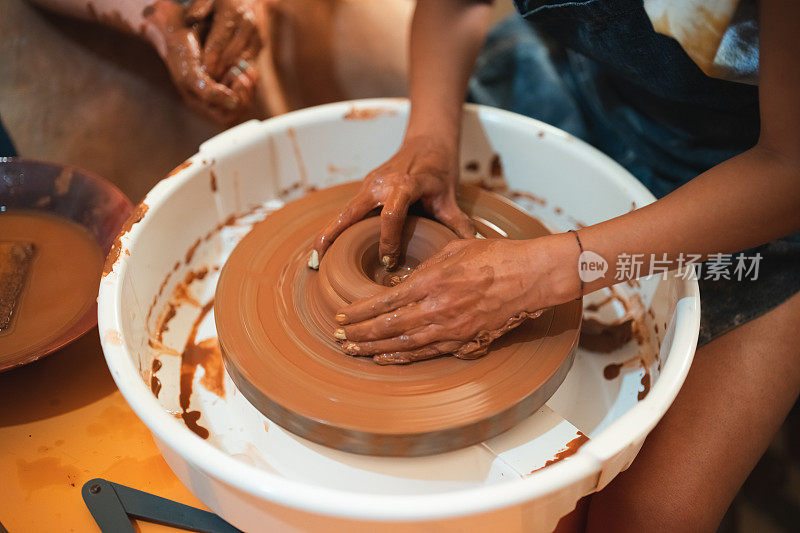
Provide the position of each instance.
(736, 396)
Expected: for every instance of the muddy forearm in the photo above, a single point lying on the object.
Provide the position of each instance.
(145, 18)
(126, 16)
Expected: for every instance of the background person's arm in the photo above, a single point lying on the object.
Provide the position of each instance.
(200, 72)
(127, 16)
(446, 36)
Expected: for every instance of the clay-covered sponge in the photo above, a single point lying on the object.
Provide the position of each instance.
(15, 262)
(275, 321)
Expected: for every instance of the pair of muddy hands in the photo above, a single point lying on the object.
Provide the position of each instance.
(210, 49)
(461, 299)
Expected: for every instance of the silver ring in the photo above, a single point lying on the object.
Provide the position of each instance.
(239, 68)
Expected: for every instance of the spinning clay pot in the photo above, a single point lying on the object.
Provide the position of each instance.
(275, 320)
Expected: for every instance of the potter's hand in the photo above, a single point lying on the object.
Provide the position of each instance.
(421, 170)
(462, 299)
(179, 46)
(232, 44)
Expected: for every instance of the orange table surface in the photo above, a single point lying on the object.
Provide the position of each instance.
(62, 423)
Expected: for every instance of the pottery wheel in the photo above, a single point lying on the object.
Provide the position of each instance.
(275, 324)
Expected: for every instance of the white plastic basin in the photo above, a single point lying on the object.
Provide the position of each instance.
(261, 478)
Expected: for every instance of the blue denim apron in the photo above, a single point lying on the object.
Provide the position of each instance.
(597, 69)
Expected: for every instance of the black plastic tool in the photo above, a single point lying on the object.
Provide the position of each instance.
(113, 506)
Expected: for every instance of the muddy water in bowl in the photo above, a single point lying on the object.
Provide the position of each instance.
(57, 223)
(48, 292)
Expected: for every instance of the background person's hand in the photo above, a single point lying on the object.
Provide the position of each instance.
(233, 39)
(421, 170)
(178, 44)
(462, 299)
(227, 92)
